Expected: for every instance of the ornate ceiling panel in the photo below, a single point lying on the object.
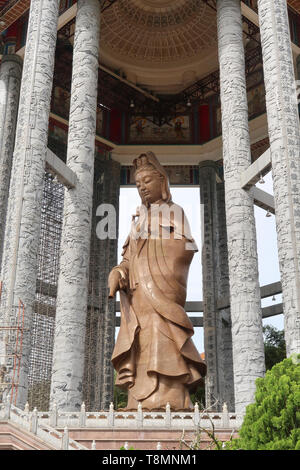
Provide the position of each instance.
(159, 31)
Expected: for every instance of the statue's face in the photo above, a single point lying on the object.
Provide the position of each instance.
(149, 186)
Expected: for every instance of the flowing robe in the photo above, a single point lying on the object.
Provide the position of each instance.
(154, 355)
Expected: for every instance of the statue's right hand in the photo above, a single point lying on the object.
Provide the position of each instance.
(114, 283)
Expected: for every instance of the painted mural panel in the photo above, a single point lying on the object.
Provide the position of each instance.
(256, 101)
(61, 102)
(256, 98)
(58, 132)
(61, 106)
(99, 122)
(178, 175)
(143, 130)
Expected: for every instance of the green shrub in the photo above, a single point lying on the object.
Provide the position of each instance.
(273, 421)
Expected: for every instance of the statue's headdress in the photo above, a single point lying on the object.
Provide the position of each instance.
(148, 161)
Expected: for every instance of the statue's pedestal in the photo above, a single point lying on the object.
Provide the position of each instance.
(113, 430)
(144, 439)
(141, 429)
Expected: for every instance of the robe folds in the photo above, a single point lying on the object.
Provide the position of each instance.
(154, 355)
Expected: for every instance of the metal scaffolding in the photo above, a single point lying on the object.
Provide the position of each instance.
(45, 305)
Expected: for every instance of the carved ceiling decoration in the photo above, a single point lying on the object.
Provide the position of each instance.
(158, 35)
(116, 94)
(105, 4)
(159, 32)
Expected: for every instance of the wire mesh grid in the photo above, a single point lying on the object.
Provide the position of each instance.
(43, 321)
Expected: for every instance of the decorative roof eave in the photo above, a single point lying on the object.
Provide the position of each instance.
(12, 12)
(295, 5)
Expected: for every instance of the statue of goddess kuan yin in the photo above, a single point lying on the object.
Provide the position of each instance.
(154, 356)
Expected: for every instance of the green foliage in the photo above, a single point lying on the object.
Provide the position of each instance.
(198, 396)
(120, 396)
(273, 421)
(275, 350)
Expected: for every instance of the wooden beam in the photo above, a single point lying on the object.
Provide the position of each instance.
(251, 15)
(263, 199)
(272, 310)
(259, 168)
(59, 169)
(270, 289)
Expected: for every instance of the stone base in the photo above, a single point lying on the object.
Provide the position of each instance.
(146, 439)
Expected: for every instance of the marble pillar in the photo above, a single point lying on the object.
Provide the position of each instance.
(216, 321)
(21, 244)
(10, 82)
(211, 319)
(297, 73)
(284, 134)
(245, 303)
(71, 310)
(100, 335)
(223, 292)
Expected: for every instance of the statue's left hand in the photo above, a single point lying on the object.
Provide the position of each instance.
(114, 283)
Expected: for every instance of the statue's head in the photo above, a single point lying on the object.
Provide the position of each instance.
(151, 179)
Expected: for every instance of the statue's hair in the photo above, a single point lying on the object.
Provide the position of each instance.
(147, 167)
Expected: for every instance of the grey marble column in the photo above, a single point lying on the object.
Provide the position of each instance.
(10, 82)
(19, 260)
(211, 319)
(284, 134)
(100, 335)
(216, 321)
(247, 338)
(71, 311)
(223, 293)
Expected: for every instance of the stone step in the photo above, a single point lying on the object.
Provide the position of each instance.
(14, 438)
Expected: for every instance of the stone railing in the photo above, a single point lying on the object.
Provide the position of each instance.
(32, 422)
(141, 419)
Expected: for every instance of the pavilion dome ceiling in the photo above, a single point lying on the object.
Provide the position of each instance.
(162, 36)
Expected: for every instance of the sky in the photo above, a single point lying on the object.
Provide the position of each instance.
(189, 199)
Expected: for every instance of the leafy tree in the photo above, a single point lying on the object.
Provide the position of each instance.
(273, 421)
(275, 350)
